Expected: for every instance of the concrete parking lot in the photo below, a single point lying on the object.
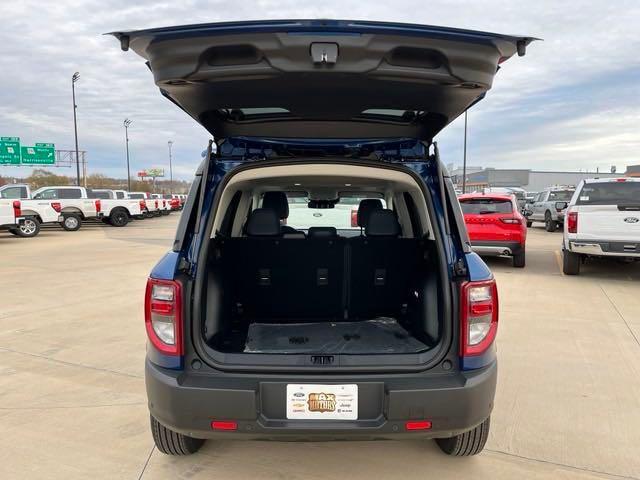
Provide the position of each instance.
(72, 399)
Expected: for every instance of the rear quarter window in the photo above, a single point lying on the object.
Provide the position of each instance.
(610, 193)
(478, 206)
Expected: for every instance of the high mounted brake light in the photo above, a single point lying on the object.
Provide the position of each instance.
(163, 315)
(17, 208)
(478, 317)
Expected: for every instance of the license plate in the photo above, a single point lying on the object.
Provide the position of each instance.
(322, 402)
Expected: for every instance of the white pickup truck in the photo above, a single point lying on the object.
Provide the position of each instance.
(118, 212)
(76, 204)
(152, 204)
(10, 214)
(163, 204)
(603, 220)
(35, 212)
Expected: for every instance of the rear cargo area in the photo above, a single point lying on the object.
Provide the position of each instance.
(322, 296)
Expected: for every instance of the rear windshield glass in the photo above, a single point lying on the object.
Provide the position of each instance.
(102, 195)
(560, 195)
(485, 206)
(302, 216)
(610, 193)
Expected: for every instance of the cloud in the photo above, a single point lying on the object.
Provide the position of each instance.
(573, 102)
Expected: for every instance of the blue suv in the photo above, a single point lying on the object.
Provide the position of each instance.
(321, 284)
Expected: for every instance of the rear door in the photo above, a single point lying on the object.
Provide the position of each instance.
(609, 210)
(322, 78)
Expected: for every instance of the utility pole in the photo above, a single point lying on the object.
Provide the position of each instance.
(170, 143)
(464, 158)
(74, 79)
(127, 123)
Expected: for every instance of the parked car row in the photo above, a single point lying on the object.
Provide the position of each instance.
(600, 218)
(23, 211)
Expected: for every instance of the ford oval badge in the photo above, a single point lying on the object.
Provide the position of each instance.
(632, 220)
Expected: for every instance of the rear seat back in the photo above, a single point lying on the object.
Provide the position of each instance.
(280, 278)
(382, 267)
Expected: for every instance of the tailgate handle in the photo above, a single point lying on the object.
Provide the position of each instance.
(326, 53)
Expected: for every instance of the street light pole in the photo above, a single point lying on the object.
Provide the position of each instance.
(464, 160)
(74, 79)
(127, 123)
(169, 143)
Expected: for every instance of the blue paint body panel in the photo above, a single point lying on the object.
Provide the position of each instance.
(166, 268)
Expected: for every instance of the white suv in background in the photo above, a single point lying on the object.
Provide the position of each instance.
(603, 220)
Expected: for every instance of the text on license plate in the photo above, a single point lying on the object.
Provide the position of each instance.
(322, 402)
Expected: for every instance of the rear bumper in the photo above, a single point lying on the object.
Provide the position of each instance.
(496, 248)
(605, 249)
(454, 403)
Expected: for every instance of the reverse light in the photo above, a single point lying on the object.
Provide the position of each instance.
(163, 315)
(478, 317)
(572, 222)
(510, 220)
(17, 208)
(56, 206)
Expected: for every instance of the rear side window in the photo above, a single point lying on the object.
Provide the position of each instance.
(50, 194)
(69, 193)
(119, 195)
(560, 195)
(610, 193)
(101, 195)
(136, 196)
(480, 206)
(14, 192)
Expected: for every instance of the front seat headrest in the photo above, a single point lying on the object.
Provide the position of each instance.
(382, 223)
(322, 232)
(365, 208)
(276, 201)
(263, 222)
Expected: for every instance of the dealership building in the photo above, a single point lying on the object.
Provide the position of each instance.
(529, 180)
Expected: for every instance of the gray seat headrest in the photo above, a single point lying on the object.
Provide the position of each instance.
(323, 232)
(263, 222)
(365, 208)
(382, 223)
(276, 201)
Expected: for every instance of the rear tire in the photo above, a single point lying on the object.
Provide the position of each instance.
(29, 229)
(119, 218)
(72, 222)
(467, 443)
(550, 225)
(519, 260)
(173, 443)
(571, 262)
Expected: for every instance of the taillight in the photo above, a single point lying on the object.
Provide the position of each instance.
(163, 315)
(164, 204)
(56, 206)
(354, 218)
(510, 220)
(142, 205)
(156, 203)
(572, 222)
(98, 206)
(17, 208)
(478, 317)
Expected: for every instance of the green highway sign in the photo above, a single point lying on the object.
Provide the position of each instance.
(40, 154)
(9, 151)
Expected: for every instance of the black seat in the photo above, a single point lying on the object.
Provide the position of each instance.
(365, 208)
(277, 201)
(322, 232)
(383, 267)
(272, 276)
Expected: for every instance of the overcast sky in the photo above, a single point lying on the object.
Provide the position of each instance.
(573, 102)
